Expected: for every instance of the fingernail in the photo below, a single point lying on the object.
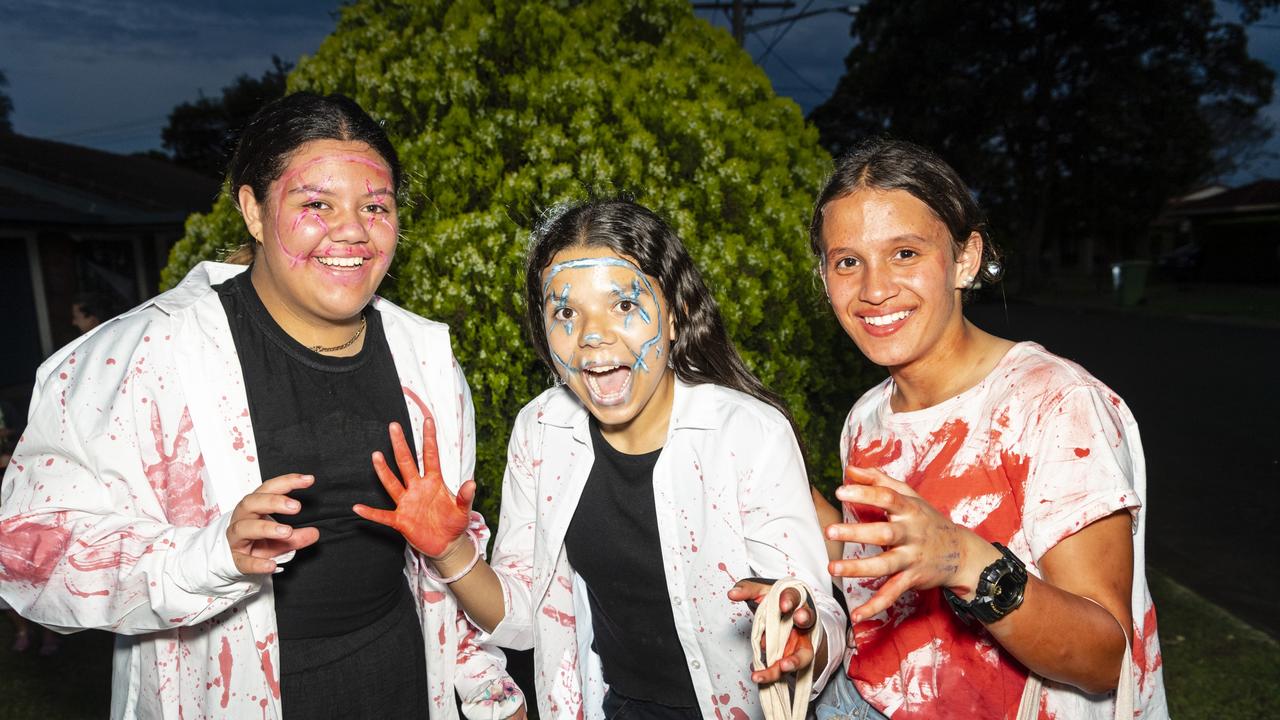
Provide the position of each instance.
(292, 504)
(308, 477)
(282, 530)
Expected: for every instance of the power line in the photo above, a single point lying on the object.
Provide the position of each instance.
(108, 129)
(782, 32)
(738, 11)
(800, 77)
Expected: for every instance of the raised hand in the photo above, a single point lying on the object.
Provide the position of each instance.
(922, 547)
(255, 537)
(426, 513)
(798, 652)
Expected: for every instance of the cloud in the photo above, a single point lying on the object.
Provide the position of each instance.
(93, 30)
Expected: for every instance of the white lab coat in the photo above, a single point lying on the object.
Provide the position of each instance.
(732, 501)
(115, 508)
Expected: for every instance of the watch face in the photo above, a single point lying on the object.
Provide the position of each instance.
(1006, 592)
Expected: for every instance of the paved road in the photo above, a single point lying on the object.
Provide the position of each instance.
(1207, 398)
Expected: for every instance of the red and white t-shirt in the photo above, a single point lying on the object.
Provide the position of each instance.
(1035, 452)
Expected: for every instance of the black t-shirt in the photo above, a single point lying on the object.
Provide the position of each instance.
(324, 416)
(612, 542)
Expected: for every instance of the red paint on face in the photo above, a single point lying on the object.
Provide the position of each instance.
(334, 201)
(224, 667)
(1082, 452)
(175, 478)
(30, 551)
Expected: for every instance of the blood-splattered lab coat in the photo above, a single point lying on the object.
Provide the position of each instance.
(732, 501)
(116, 504)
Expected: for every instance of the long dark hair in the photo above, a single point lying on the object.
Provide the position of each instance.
(883, 163)
(702, 351)
(282, 126)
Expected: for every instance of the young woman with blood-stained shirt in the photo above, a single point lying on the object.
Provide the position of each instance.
(187, 475)
(973, 440)
(642, 494)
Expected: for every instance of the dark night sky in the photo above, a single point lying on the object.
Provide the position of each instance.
(106, 73)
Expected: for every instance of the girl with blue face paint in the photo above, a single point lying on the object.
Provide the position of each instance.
(643, 496)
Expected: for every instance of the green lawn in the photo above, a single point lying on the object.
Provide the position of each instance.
(1214, 667)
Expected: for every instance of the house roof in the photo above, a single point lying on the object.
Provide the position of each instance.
(46, 181)
(1257, 196)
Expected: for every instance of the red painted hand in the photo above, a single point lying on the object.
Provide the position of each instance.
(426, 513)
(922, 547)
(798, 652)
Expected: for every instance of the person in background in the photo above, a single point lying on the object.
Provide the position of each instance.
(91, 309)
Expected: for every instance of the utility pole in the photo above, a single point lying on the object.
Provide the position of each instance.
(738, 11)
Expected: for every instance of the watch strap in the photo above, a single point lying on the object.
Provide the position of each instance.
(993, 599)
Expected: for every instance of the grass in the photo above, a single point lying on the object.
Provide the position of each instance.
(1215, 667)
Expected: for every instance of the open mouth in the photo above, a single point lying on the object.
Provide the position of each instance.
(608, 384)
(341, 262)
(885, 320)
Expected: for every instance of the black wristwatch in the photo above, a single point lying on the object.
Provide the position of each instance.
(999, 592)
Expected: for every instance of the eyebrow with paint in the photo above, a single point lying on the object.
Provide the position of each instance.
(314, 190)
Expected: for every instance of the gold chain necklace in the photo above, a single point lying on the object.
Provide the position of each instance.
(343, 346)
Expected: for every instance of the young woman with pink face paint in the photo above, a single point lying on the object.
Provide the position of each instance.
(994, 493)
(642, 493)
(188, 475)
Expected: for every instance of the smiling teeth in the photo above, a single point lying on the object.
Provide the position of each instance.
(601, 368)
(341, 261)
(880, 320)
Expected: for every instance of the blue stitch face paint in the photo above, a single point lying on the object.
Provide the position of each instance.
(609, 338)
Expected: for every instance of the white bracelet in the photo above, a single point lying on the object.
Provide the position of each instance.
(459, 575)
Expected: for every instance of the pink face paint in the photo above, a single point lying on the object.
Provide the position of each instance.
(303, 243)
